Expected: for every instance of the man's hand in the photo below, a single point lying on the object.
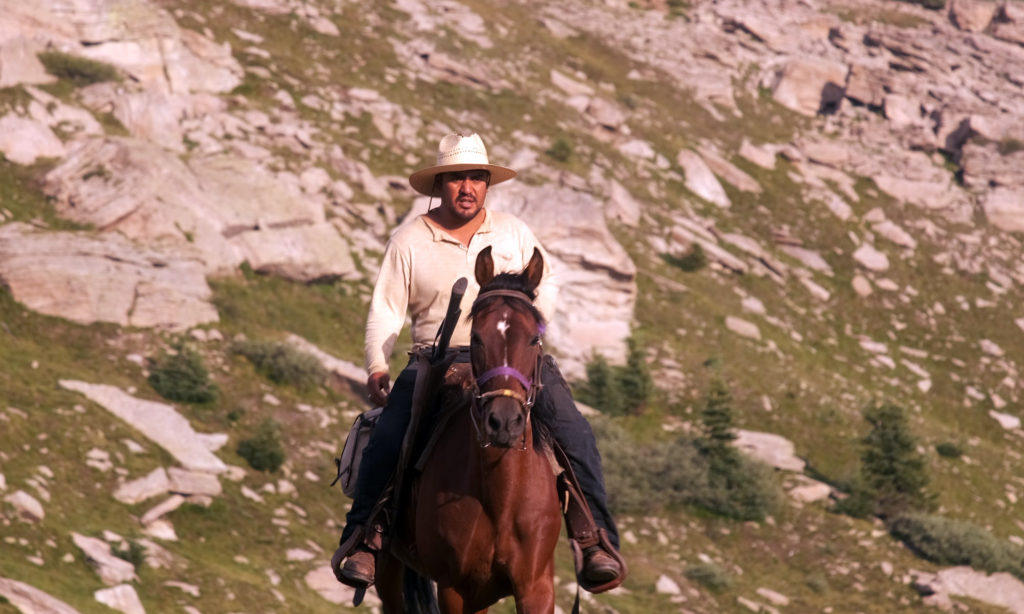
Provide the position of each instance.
(379, 384)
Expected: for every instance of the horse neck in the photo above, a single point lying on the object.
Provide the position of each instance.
(506, 472)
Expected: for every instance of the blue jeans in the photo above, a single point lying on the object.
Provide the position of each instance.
(554, 408)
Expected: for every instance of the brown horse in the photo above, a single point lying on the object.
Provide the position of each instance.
(483, 520)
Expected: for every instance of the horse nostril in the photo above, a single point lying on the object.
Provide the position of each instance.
(494, 422)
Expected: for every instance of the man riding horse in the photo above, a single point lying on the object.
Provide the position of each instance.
(421, 261)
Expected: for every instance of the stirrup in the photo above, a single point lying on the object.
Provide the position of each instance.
(604, 544)
(372, 541)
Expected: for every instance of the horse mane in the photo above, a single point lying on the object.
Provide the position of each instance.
(542, 437)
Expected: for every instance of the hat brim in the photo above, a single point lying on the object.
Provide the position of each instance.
(423, 180)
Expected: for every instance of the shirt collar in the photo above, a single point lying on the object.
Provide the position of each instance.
(439, 234)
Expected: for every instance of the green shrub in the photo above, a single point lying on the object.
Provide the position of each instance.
(76, 69)
(747, 490)
(263, 450)
(282, 363)
(135, 553)
(948, 449)
(648, 476)
(618, 390)
(693, 260)
(892, 469)
(709, 575)
(181, 376)
(952, 542)
(560, 150)
(817, 582)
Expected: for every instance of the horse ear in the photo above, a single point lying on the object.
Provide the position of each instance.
(535, 269)
(484, 267)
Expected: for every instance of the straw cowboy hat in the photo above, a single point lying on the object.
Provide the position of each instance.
(458, 153)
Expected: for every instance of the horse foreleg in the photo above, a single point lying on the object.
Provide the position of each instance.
(540, 600)
(451, 602)
(538, 596)
(389, 584)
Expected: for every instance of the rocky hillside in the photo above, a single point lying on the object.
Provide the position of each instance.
(203, 177)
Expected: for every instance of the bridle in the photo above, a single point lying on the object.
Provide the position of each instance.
(531, 384)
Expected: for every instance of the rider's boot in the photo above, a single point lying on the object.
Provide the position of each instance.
(599, 566)
(359, 568)
(359, 551)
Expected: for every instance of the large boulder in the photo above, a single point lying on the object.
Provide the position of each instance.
(221, 206)
(1004, 208)
(111, 569)
(30, 600)
(700, 180)
(596, 276)
(23, 141)
(19, 63)
(158, 421)
(999, 589)
(810, 85)
(87, 278)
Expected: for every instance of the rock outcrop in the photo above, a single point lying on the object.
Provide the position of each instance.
(30, 600)
(157, 421)
(87, 278)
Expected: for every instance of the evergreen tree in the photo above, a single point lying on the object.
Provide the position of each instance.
(602, 387)
(635, 378)
(737, 487)
(891, 466)
(716, 421)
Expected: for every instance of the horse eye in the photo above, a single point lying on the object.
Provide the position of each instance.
(535, 340)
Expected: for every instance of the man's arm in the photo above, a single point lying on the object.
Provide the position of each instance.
(386, 318)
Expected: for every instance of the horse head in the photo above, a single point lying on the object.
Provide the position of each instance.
(505, 349)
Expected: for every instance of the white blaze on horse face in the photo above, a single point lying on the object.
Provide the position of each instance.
(502, 327)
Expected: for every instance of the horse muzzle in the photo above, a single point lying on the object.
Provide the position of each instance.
(504, 419)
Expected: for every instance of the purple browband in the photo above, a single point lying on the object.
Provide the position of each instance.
(509, 371)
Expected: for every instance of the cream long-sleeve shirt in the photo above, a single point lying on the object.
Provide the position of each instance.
(421, 263)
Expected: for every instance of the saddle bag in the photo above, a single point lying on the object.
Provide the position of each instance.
(352, 453)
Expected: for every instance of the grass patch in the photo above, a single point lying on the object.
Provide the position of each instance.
(330, 315)
(77, 70)
(1010, 145)
(22, 198)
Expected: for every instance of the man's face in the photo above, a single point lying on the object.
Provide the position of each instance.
(463, 192)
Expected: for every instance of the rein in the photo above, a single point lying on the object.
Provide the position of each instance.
(532, 385)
